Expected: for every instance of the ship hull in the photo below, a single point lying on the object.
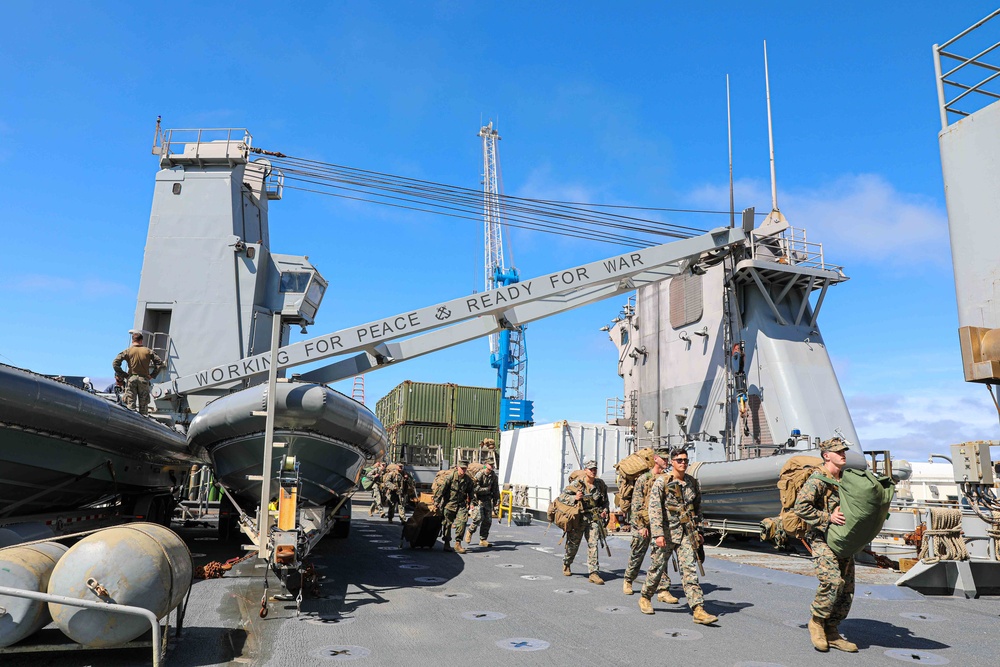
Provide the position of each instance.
(331, 437)
(63, 448)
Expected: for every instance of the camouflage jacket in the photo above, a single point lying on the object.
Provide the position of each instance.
(487, 486)
(816, 499)
(671, 504)
(141, 361)
(456, 492)
(639, 512)
(595, 499)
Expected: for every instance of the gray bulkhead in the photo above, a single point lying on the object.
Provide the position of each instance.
(209, 282)
(674, 357)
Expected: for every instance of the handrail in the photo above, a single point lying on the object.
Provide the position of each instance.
(90, 604)
(947, 78)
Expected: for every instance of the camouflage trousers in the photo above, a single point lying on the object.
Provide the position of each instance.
(376, 500)
(481, 517)
(395, 504)
(589, 530)
(457, 518)
(639, 547)
(836, 582)
(687, 559)
(137, 389)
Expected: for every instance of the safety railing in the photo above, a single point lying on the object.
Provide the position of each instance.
(614, 410)
(976, 79)
(231, 143)
(791, 247)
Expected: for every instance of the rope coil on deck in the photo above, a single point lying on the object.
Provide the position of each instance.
(944, 539)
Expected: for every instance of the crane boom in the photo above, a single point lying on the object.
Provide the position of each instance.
(496, 309)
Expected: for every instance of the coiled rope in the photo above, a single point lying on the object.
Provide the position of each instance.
(944, 540)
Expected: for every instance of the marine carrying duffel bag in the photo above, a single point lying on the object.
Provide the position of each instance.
(864, 500)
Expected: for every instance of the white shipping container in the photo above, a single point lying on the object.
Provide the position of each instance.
(542, 457)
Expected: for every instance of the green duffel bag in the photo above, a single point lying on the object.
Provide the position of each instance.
(864, 500)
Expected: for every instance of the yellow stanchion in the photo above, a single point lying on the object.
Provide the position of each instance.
(506, 504)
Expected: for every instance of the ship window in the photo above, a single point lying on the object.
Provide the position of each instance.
(315, 292)
(686, 301)
(294, 281)
(624, 336)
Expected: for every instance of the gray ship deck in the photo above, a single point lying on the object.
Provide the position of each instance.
(391, 606)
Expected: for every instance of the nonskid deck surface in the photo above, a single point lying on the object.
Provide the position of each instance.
(382, 605)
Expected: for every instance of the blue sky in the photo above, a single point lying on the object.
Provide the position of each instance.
(619, 103)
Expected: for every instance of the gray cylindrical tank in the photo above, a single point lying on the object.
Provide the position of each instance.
(27, 568)
(141, 565)
(24, 532)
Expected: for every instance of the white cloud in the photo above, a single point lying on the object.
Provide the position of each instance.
(914, 425)
(861, 216)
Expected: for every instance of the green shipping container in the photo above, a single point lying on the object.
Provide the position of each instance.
(417, 437)
(469, 438)
(420, 403)
(476, 407)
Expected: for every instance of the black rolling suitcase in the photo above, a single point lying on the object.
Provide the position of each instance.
(422, 529)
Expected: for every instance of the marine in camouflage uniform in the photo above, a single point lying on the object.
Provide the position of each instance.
(143, 366)
(486, 493)
(453, 499)
(818, 505)
(392, 494)
(376, 477)
(639, 523)
(594, 501)
(674, 515)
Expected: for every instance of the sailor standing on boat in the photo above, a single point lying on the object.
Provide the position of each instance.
(639, 520)
(674, 517)
(592, 494)
(143, 366)
(818, 505)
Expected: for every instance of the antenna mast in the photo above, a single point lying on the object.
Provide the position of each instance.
(729, 127)
(770, 134)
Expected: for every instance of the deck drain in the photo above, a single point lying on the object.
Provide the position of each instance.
(523, 644)
(453, 596)
(401, 556)
(487, 555)
(679, 634)
(342, 653)
(380, 541)
(536, 577)
(413, 566)
(545, 550)
(571, 591)
(509, 566)
(483, 615)
(916, 657)
(330, 620)
(920, 616)
(430, 580)
(614, 610)
(801, 625)
(389, 548)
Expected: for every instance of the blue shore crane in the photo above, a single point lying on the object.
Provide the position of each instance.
(508, 353)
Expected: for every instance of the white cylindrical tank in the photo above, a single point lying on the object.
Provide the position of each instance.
(141, 565)
(27, 568)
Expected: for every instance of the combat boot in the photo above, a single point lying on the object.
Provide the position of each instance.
(834, 640)
(484, 543)
(646, 605)
(702, 617)
(627, 588)
(817, 633)
(595, 578)
(665, 596)
(459, 549)
(468, 536)
(566, 571)
(447, 547)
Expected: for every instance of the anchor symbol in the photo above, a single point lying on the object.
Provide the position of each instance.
(442, 313)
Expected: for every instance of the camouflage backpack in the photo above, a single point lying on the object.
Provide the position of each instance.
(793, 475)
(439, 479)
(626, 472)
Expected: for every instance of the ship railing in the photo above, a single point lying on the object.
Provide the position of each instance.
(538, 498)
(227, 144)
(790, 247)
(972, 76)
(614, 411)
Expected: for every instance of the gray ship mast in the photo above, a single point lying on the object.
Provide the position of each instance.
(210, 284)
(727, 358)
